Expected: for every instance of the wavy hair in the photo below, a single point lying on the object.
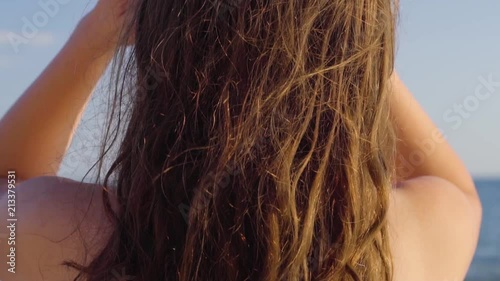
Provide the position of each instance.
(257, 146)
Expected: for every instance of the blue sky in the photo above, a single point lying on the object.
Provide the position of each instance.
(447, 51)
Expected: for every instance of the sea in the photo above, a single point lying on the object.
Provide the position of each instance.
(486, 263)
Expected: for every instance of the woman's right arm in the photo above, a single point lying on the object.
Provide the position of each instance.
(436, 211)
(422, 149)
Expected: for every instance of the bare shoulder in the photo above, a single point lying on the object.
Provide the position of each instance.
(57, 219)
(434, 230)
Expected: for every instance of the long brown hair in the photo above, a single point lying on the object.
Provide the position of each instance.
(258, 144)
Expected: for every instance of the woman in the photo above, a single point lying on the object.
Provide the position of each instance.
(264, 140)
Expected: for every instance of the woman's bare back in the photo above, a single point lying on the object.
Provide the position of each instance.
(433, 230)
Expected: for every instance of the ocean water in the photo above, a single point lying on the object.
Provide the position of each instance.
(486, 263)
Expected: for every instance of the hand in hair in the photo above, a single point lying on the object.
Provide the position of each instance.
(108, 19)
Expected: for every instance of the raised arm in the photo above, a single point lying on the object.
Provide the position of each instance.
(436, 212)
(422, 149)
(36, 132)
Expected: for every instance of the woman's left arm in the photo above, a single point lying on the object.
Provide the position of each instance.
(38, 129)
